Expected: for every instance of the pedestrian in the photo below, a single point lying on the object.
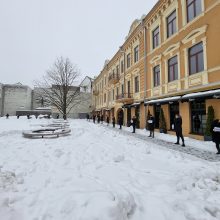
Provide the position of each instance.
(102, 118)
(133, 123)
(151, 125)
(93, 117)
(18, 116)
(28, 116)
(107, 120)
(113, 121)
(178, 129)
(58, 116)
(215, 130)
(98, 119)
(7, 115)
(197, 123)
(120, 121)
(87, 117)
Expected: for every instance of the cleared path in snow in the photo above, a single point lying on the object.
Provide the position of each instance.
(199, 153)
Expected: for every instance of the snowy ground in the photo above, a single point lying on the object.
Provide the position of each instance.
(100, 174)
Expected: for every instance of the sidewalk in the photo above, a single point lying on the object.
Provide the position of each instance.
(199, 149)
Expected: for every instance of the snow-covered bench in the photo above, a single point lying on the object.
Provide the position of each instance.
(47, 132)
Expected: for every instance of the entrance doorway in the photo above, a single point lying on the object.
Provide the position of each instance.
(198, 117)
(137, 114)
(157, 115)
(128, 116)
(120, 114)
(174, 108)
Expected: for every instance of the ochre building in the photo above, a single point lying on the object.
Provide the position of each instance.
(170, 60)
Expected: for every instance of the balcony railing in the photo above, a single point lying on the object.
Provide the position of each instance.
(126, 98)
(113, 78)
(95, 92)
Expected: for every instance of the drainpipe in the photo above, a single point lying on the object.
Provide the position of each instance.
(145, 66)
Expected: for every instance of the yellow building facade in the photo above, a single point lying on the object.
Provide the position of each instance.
(170, 60)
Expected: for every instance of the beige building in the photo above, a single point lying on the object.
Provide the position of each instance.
(170, 60)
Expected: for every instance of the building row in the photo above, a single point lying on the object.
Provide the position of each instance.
(18, 99)
(170, 60)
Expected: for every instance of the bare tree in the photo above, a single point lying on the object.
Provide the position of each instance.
(57, 86)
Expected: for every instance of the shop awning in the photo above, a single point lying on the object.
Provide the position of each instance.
(162, 101)
(210, 93)
(135, 104)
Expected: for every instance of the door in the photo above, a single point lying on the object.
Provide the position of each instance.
(137, 114)
(198, 117)
(157, 115)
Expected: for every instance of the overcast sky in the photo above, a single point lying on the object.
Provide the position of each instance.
(33, 33)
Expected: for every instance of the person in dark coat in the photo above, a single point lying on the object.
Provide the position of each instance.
(102, 119)
(107, 120)
(93, 117)
(98, 119)
(151, 125)
(113, 121)
(178, 129)
(58, 116)
(134, 123)
(18, 116)
(87, 117)
(7, 115)
(120, 121)
(197, 123)
(215, 130)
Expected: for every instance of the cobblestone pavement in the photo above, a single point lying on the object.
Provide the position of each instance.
(199, 153)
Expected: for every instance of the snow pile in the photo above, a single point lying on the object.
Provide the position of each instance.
(202, 189)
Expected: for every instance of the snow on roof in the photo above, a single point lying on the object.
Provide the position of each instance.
(200, 94)
(168, 99)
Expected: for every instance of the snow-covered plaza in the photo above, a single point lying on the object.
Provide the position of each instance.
(97, 173)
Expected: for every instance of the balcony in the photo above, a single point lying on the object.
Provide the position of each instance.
(125, 98)
(95, 92)
(113, 78)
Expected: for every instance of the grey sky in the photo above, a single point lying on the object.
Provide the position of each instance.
(33, 33)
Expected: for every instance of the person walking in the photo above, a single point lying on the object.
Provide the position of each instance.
(87, 117)
(197, 123)
(93, 117)
(107, 120)
(98, 118)
(120, 121)
(215, 130)
(178, 129)
(7, 115)
(151, 125)
(113, 121)
(133, 123)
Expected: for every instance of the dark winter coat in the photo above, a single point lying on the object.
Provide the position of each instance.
(107, 120)
(113, 120)
(120, 121)
(215, 135)
(178, 124)
(134, 122)
(151, 123)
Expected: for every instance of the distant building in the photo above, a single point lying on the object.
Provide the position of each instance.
(14, 97)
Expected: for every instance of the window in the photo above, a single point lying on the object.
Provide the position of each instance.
(172, 69)
(156, 76)
(122, 66)
(105, 97)
(156, 36)
(136, 54)
(128, 60)
(117, 70)
(122, 89)
(194, 8)
(171, 24)
(129, 87)
(136, 86)
(113, 94)
(196, 60)
(117, 92)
